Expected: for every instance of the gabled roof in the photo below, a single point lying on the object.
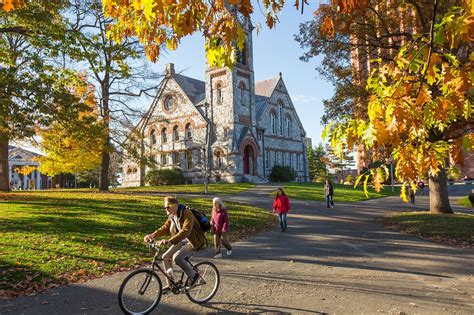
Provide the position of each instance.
(260, 104)
(194, 89)
(266, 87)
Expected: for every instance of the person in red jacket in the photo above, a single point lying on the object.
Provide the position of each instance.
(281, 205)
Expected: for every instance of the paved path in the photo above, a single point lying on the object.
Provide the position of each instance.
(336, 261)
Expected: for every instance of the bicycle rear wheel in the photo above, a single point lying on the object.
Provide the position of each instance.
(207, 285)
(140, 292)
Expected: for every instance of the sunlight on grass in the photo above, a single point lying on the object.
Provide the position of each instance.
(342, 193)
(458, 227)
(214, 188)
(464, 202)
(61, 236)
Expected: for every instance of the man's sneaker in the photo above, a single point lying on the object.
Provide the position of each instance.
(218, 256)
(229, 252)
(192, 282)
(166, 289)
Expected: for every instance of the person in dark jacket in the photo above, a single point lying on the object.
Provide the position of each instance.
(281, 205)
(186, 238)
(329, 192)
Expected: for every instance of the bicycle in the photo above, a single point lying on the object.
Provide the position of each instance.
(141, 291)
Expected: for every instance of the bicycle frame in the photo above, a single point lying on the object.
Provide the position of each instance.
(175, 286)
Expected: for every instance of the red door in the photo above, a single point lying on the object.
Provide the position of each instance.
(249, 160)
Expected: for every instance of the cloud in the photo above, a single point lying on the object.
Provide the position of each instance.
(301, 98)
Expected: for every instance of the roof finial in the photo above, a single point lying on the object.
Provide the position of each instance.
(280, 74)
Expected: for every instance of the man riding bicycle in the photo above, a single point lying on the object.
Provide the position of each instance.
(186, 238)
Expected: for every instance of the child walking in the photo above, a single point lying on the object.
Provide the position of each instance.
(281, 205)
(220, 227)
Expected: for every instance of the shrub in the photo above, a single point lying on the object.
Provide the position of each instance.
(282, 174)
(164, 177)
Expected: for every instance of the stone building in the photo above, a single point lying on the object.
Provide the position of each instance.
(227, 128)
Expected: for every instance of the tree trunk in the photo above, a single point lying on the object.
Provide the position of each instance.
(4, 179)
(104, 170)
(439, 201)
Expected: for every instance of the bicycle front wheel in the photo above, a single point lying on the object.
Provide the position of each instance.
(207, 285)
(140, 292)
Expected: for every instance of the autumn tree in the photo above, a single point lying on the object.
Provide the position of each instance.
(74, 148)
(420, 104)
(34, 90)
(117, 69)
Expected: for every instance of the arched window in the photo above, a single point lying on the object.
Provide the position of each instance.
(189, 160)
(243, 93)
(164, 136)
(152, 137)
(219, 159)
(273, 123)
(168, 103)
(175, 133)
(288, 126)
(188, 132)
(242, 55)
(280, 112)
(219, 93)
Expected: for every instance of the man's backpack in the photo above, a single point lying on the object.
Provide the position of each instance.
(203, 220)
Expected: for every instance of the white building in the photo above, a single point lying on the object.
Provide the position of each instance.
(228, 127)
(19, 158)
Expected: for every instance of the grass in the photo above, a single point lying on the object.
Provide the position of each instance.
(455, 228)
(57, 237)
(464, 202)
(214, 189)
(342, 193)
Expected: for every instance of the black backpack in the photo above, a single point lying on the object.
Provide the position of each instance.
(203, 220)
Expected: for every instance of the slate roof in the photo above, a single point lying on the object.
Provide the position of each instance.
(266, 87)
(194, 89)
(260, 103)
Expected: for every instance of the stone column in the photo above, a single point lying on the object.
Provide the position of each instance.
(38, 180)
(25, 182)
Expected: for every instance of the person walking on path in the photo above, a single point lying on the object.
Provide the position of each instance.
(281, 205)
(220, 227)
(329, 191)
(412, 194)
(421, 186)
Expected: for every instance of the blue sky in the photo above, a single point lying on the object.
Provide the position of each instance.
(274, 51)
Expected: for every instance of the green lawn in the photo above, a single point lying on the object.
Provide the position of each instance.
(458, 227)
(214, 189)
(57, 237)
(342, 193)
(464, 202)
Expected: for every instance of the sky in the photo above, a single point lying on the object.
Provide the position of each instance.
(274, 51)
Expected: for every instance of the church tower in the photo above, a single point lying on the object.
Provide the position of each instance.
(230, 97)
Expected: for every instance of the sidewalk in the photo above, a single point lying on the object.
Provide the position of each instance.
(336, 261)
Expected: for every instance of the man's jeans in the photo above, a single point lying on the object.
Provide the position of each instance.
(329, 200)
(178, 253)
